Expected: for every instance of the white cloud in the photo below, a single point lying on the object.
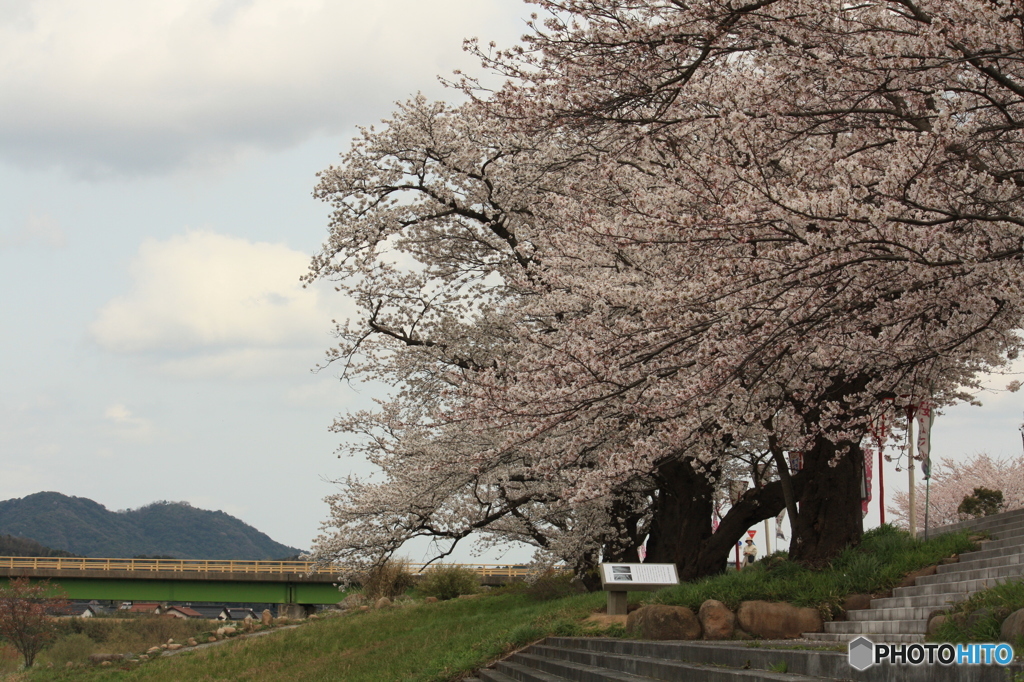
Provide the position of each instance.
(209, 304)
(125, 85)
(127, 426)
(39, 229)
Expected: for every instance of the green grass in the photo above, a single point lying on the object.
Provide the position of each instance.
(447, 640)
(428, 642)
(883, 558)
(995, 604)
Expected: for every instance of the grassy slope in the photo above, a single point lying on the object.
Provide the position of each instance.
(444, 641)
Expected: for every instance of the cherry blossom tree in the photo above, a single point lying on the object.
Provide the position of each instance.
(953, 480)
(25, 616)
(682, 229)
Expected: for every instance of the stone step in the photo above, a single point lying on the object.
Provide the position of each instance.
(807, 663)
(990, 553)
(879, 627)
(658, 668)
(509, 670)
(564, 669)
(1002, 543)
(957, 590)
(841, 637)
(978, 524)
(993, 562)
(898, 613)
(937, 601)
(1008, 570)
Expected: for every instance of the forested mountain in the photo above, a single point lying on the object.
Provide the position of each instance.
(81, 526)
(12, 546)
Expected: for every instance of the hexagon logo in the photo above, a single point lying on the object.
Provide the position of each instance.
(862, 653)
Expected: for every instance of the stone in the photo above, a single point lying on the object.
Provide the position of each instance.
(170, 641)
(164, 646)
(153, 650)
(977, 615)
(192, 641)
(662, 622)
(364, 607)
(911, 578)
(741, 634)
(266, 618)
(229, 630)
(219, 632)
(382, 603)
(430, 600)
(857, 602)
(211, 639)
(935, 622)
(99, 658)
(174, 647)
(352, 601)
(314, 616)
(247, 623)
(717, 621)
(143, 657)
(773, 620)
(1013, 627)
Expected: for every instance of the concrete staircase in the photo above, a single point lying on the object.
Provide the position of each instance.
(586, 659)
(904, 616)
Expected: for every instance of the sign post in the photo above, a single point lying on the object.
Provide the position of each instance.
(618, 579)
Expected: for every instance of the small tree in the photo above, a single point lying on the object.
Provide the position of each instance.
(983, 502)
(24, 619)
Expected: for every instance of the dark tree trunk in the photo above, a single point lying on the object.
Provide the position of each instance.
(681, 524)
(830, 516)
(681, 528)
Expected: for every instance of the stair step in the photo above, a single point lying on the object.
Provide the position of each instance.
(660, 668)
(1009, 570)
(898, 613)
(509, 670)
(933, 600)
(978, 524)
(879, 627)
(990, 553)
(970, 565)
(841, 637)
(567, 670)
(957, 590)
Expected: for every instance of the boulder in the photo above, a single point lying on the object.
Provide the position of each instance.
(717, 621)
(100, 658)
(352, 601)
(266, 618)
(382, 603)
(192, 641)
(229, 630)
(174, 647)
(247, 623)
(856, 602)
(143, 657)
(911, 578)
(935, 622)
(661, 622)
(1013, 627)
(770, 620)
(220, 632)
(153, 650)
(211, 639)
(364, 607)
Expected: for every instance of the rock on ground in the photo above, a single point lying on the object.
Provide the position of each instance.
(661, 622)
(716, 620)
(771, 620)
(1013, 627)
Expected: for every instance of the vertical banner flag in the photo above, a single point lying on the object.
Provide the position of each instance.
(736, 490)
(924, 416)
(779, 535)
(641, 552)
(865, 484)
(796, 461)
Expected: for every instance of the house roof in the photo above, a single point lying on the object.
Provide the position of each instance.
(144, 608)
(210, 612)
(184, 610)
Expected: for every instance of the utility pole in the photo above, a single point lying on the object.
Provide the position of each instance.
(910, 471)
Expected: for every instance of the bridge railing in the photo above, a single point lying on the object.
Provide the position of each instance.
(215, 566)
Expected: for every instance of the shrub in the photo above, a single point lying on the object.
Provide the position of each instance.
(448, 582)
(389, 579)
(983, 502)
(73, 648)
(555, 585)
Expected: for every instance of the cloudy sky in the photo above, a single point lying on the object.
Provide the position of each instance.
(156, 165)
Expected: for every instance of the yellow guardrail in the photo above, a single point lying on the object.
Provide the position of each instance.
(217, 566)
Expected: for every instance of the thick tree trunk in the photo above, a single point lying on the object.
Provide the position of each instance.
(830, 516)
(681, 525)
(681, 529)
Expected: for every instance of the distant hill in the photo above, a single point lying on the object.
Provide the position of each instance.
(12, 546)
(177, 529)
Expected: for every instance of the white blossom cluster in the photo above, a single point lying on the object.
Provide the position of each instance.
(681, 230)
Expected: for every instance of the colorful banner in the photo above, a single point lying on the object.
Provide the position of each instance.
(796, 461)
(924, 415)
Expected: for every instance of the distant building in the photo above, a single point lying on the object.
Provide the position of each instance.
(180, 612)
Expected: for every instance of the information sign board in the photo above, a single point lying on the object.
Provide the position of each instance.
(635, 577)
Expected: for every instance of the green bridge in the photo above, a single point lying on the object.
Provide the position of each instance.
(265, 582)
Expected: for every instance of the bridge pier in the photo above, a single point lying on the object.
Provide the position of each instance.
(295, 611)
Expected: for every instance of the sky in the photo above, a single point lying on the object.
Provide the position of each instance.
(156, 168)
